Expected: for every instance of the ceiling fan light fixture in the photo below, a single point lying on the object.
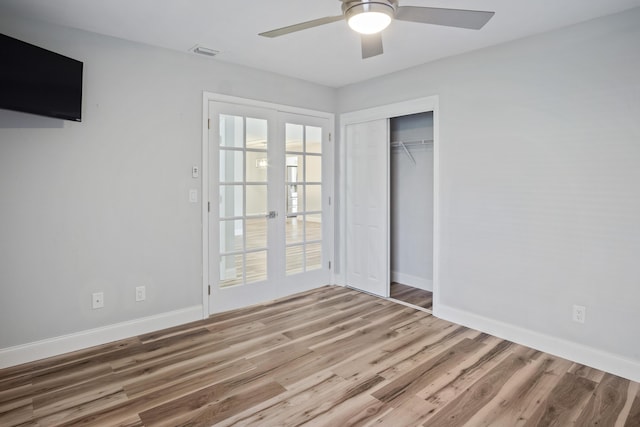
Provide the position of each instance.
(369, 18)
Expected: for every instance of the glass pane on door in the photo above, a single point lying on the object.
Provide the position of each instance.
(243, 194)
(303, 227)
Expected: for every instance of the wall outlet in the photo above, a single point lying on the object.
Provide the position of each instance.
(579, 313)
(141, 293)
(97, 300)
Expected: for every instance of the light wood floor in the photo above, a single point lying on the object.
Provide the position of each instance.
(328, 357)
(410, 295)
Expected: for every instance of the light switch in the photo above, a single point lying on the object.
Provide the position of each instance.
(193, 196)
(195, 171)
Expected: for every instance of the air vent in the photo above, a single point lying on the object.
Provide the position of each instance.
(201, 50)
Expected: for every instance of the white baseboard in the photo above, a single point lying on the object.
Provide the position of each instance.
(413, 281)
(593, 357)
(63, 344)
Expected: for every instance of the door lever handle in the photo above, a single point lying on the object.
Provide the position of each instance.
(271, 215)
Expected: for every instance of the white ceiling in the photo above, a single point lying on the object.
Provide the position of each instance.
(328, 55)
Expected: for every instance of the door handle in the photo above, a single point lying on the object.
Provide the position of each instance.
(271, 215)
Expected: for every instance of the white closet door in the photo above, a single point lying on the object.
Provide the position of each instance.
(367, 167)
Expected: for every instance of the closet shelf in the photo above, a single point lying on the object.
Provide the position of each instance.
(405, 144)
(395, 144)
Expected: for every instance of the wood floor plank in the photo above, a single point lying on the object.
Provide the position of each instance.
(330, 320)
(105, 352)
(565, 402)
(16, 412)
(466, 373)
(632, 392)
(331, 356)
(68, 410)
(197, 371)
(415, 338)
(633, 419)
(411, 412)
(159, 349)
(330, 403)
(470, 401)
(526, 396)
(587, 372)
(407, 385)
(411, 295)
(208, 406)
(15, 393)
(448, 338)
(606, 403)
(358, 411)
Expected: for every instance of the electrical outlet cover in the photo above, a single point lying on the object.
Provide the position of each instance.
(579, 313)
(141, 293)
(97, 300)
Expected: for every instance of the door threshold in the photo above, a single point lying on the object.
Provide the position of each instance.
(417, 307)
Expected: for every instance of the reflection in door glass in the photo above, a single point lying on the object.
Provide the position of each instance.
(294, 137)
(295, 196)
(295, 259)
(313, 139)
(231, 201)
(231, 236)
(256, 199)
(231, 166)
(230, 270)
(313, 227)
(256, 266)
(256, 233)
(231, 131)
(295, 229)
(313, 198)
(314, 168)
(257, 166)
(257, 133)
(313, 256)
(243, 238)
(295, 168)
(303, 231)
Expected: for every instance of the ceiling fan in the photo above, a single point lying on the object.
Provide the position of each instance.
(370, 17)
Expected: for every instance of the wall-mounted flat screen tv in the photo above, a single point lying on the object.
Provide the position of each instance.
(38, 81)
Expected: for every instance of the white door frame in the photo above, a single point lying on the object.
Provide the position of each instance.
(205, 175)
(414, 106)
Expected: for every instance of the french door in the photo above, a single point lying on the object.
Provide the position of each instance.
(269, 232)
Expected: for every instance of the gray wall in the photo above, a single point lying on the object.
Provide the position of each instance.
(103, 204)
(540, 183)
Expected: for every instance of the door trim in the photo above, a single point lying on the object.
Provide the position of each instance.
(205, 174)
(413, 106)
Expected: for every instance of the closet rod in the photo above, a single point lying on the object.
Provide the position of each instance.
(409, 143)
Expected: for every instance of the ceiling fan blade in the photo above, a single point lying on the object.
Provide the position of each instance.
(371, 45)
(471, 19)
(301, 26)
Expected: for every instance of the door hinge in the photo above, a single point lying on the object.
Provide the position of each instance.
(329, 200)
(209, 289)
(208, 206)
(208, 123)
(329, 265)
(329, 136)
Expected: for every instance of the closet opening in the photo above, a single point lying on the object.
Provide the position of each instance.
(411, 209)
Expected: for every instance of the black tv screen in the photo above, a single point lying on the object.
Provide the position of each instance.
(38, 81)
